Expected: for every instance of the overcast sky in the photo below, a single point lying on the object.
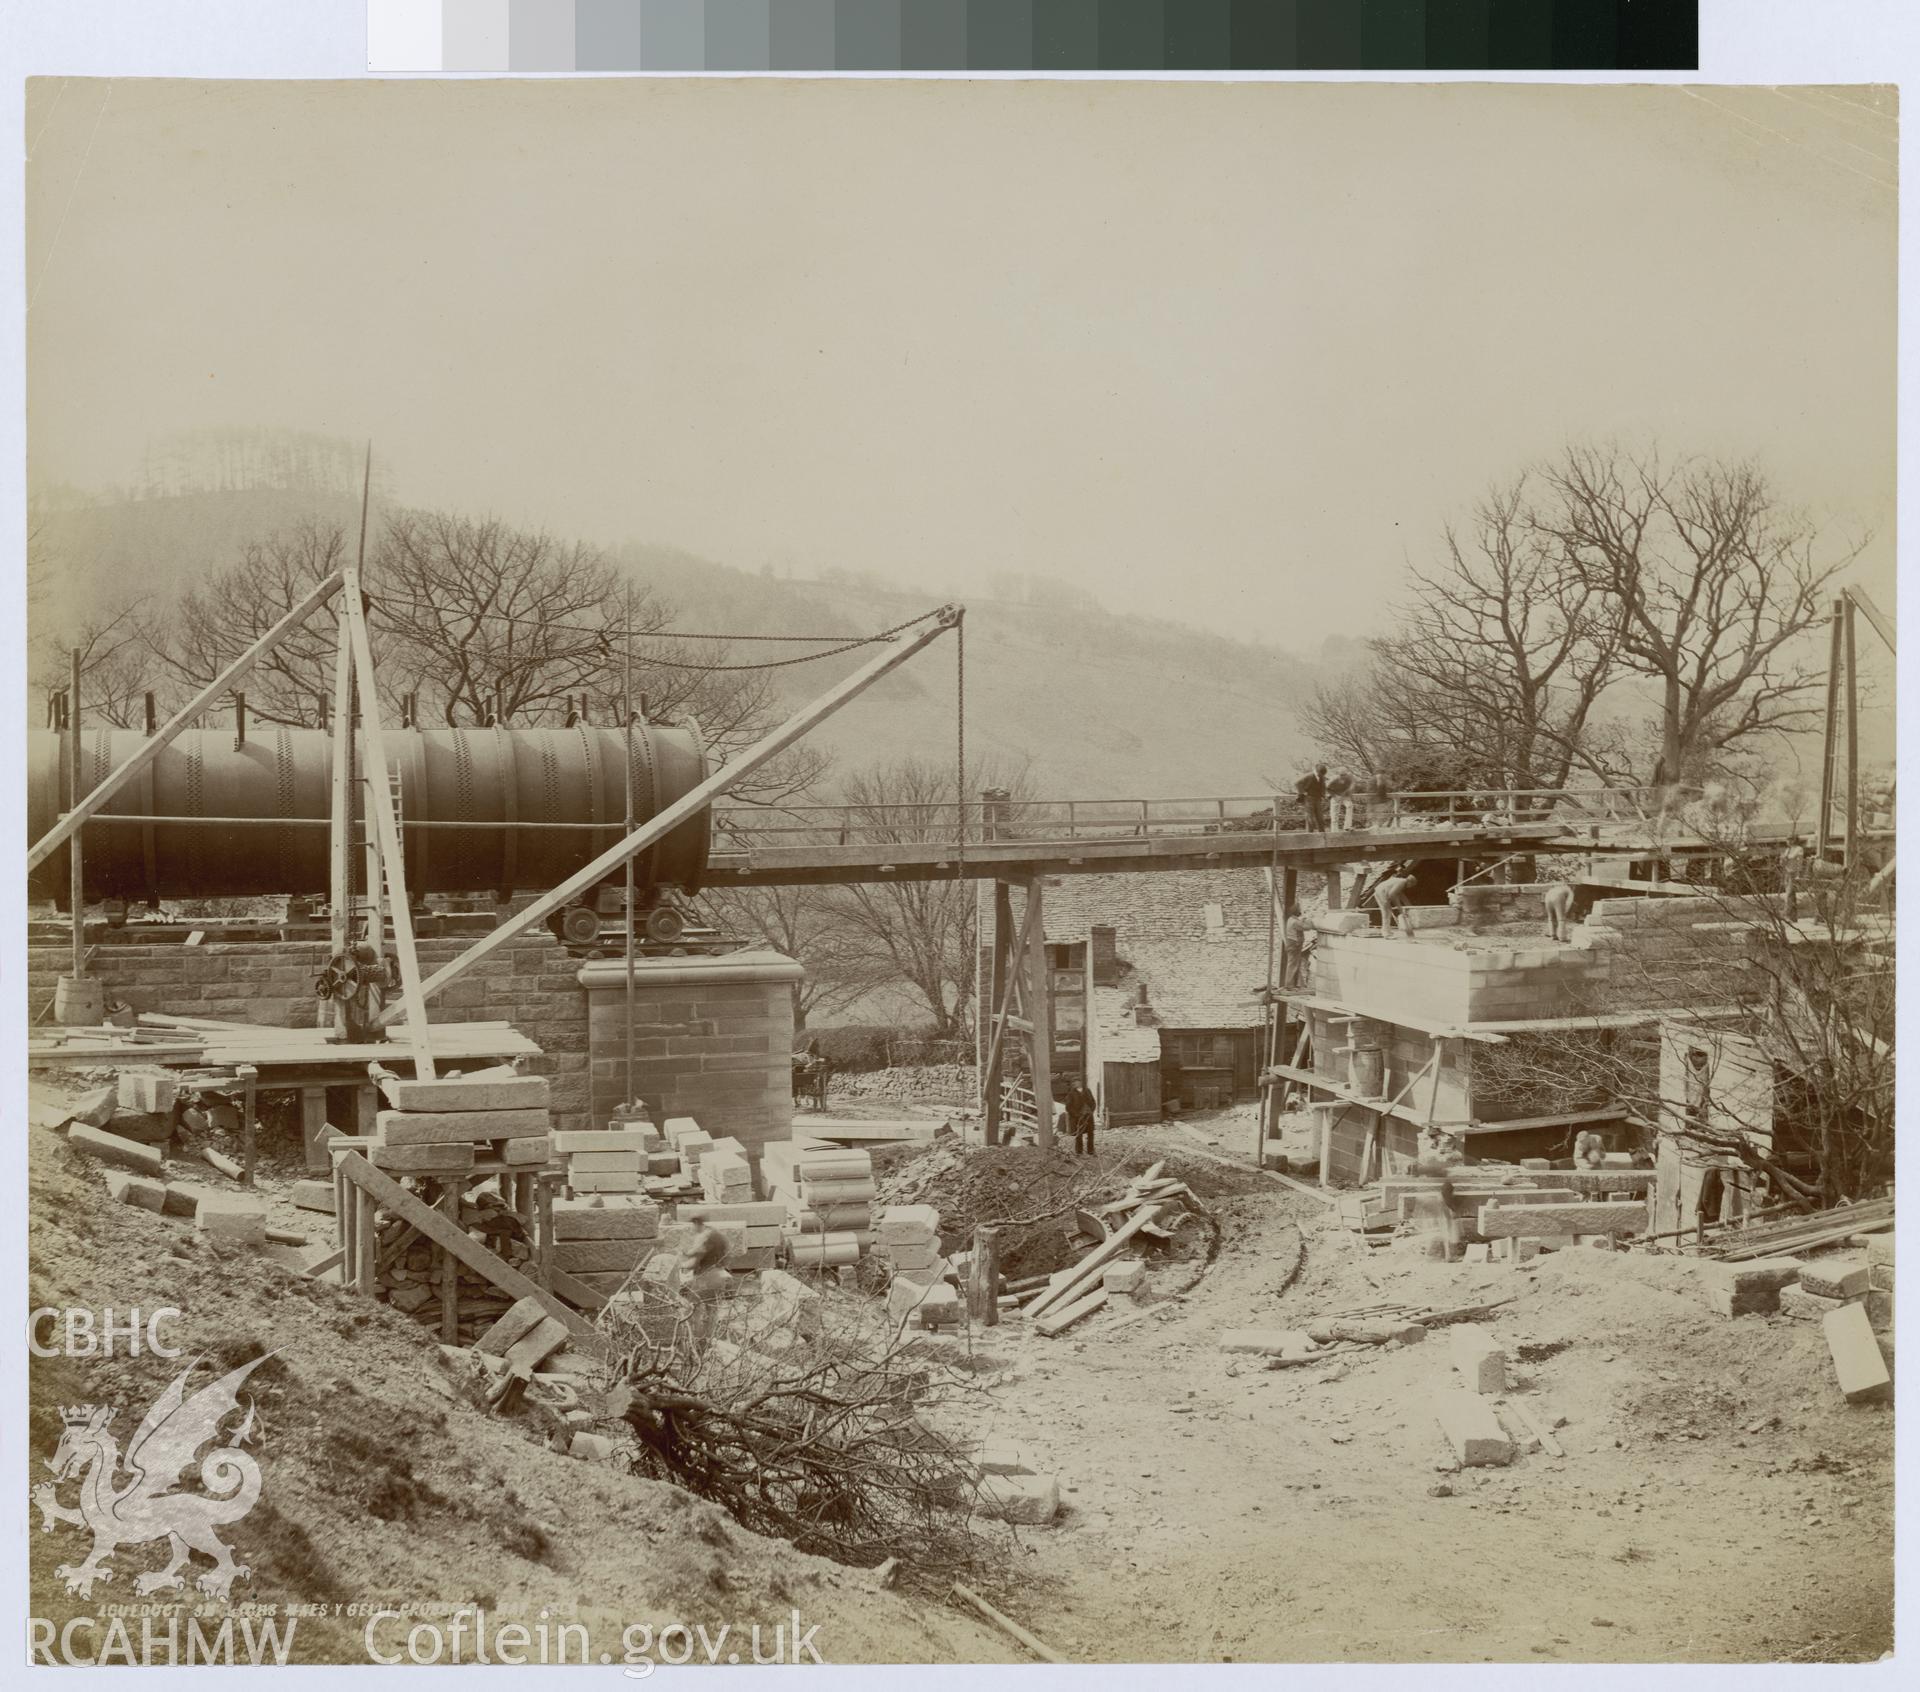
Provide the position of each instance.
(1224, 352)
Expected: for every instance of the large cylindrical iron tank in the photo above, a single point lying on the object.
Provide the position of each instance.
(278, 785)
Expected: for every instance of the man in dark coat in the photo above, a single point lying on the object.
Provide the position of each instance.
(1081, 1109)
(1312, 789)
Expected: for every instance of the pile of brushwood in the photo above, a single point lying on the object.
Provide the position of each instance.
(797, 1409)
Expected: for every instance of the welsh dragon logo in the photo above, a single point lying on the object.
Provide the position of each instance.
(148, 1505)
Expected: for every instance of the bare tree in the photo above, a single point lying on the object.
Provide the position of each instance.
(1505, 646)
(472, 617)
(115, 663)
(1378, 720)
(803, 923)
(213, 624)
(1713, 585)
(923, 932)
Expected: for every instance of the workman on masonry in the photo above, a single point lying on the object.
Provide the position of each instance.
(1081, 1110)
(1558, 899)
(1392, 898)
(1340, 801)
(1312, 788)
(1297, 943)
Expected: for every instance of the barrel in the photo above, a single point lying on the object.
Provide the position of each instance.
(1368, 1071)
(483, 810)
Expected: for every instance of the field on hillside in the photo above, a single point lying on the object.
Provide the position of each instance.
(1128, 707)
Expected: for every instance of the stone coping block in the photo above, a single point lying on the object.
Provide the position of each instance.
(1836, 1277)
(1472, 1429)
(1858, 1364)
(1530, 1221)
(447, 1127)
(470, 1092)
(112, 1148)
(731, 969)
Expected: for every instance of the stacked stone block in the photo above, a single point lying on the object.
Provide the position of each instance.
(762, 1226)
(603, 1238)
(907, 1240)
(606, 1160)
(725, 1175)
(1827, 1284)
(443, 1127)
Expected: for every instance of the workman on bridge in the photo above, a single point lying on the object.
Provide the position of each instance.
(1340, 801)
(1312, 788)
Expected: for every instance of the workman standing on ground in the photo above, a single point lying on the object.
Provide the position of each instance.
(1081, 1110)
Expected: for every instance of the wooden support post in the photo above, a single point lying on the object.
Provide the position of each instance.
(313, 1126)
(76, 869)
(248, 1100)
(1040, 1012)
(1336, 896)
(983, 1285)
(1852, 857)
(342, 1224)
(1830, 736)
(366, 1109)
(376, 908)
(367, 1236)
(340, 826)
(449, 1270)
(543, 1189)
(997, 999)
(347, 1208)
(392, 858)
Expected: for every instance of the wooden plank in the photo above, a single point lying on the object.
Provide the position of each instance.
(1012, 1628)
(152, 747)
(1058, 1321)
(449, 1272)
(1548, 1443)
(1077, 1277)
(1040, 1010)
(437, 1228)
(340, 817)
(313, 1125)
(392, 852)
(575, 1291)
(326, 1265)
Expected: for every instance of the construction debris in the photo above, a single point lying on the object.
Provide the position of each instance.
(1472, 1429)
(1859, 1366)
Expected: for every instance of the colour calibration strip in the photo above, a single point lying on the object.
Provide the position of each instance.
(1029, 35)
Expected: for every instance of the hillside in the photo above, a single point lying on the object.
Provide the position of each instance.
(1094, 704)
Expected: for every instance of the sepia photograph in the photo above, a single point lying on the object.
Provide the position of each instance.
(958, 871)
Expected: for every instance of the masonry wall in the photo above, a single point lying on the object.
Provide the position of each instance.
(723, 1052)
(713, 1039)
(1406, 1053)
(530, 982)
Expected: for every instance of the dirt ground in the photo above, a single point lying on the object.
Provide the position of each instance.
(1718, 1501)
